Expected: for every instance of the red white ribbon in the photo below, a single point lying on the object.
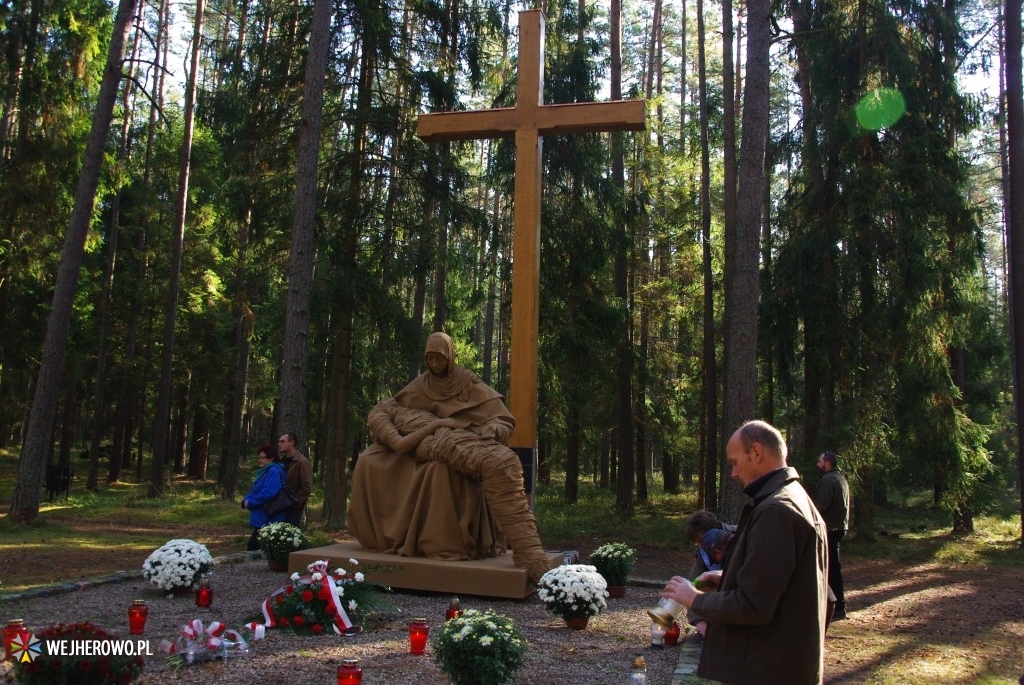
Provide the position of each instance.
(213, 636)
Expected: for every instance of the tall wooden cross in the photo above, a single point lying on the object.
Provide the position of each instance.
(529, 121)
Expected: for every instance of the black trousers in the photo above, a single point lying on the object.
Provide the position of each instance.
(835, 567)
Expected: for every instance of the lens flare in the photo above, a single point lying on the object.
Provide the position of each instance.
(880, 108)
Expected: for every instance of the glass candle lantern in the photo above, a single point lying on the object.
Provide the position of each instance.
(657, 635)
(672, 636)
(418, 630)
(638, 675)
(350, 672)
(137, 617)
(454, 610)
(666, 612)
(14, 629)
(204, 594)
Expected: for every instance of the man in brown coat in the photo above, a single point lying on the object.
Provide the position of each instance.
(299, 473)
(766, 622)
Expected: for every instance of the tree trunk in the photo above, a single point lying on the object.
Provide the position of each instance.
(742, 279)
(162, 415)
(623, 347)
(1015, 216)
(573, 430)
(25, 499)
(707, 496)
(294, 388)
(124, 154)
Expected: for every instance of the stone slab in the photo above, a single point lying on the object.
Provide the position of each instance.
(685, 672)
(495, 577)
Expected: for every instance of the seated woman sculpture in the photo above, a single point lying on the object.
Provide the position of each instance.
(438, 480)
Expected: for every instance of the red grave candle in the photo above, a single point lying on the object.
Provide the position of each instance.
(418, 630)
(350, 672)
(137, 617)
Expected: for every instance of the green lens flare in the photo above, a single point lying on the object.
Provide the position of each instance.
(880, 108)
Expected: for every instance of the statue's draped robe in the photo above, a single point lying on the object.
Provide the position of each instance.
(427, 508)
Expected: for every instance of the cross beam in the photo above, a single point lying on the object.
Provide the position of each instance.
(529, 121)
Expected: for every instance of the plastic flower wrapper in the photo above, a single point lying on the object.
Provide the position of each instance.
(204, 642)
(322, 601)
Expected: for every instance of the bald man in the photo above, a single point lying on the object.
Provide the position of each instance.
(766, 622)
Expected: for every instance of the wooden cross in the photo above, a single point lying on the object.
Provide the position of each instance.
(529, 121)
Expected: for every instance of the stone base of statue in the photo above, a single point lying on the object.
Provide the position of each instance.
(493, 577)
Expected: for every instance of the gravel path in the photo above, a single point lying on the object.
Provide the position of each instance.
(601, 654)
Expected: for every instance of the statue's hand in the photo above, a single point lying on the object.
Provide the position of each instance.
(446, 423)
(407, 444)
(423, 450)
(495, 431)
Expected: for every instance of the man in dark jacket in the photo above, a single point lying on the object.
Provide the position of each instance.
(299, 476)
(766, 622)
(832, 498)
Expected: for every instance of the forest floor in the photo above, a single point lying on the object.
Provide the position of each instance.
(908, 623)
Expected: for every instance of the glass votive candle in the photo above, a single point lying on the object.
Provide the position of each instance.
(657, 635)
(672, 635)
(454, 610)
(350, 672)
(14, 629)
(137, 617)
(204, 594)
(418, 630)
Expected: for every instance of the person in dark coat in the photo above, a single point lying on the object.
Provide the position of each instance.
(265, 486)
(766, 622)
(832, 497)
(299, 477)
(700, 525)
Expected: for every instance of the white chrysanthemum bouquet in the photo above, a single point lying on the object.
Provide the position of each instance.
(278, 540)
(573, 591)
(614, 561)
(177, 565)
(479, 648)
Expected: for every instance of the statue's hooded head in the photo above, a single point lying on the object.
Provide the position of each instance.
(441, 343)
(452, 379)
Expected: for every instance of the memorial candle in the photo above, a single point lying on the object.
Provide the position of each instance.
(418, 630)
(137, 617)
(350, 673)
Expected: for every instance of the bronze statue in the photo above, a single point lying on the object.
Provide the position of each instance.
(438, 480)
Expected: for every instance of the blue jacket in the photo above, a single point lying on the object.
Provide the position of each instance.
(268, 482)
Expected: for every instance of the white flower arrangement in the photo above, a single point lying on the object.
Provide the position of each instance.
(614, 561)
(178, 564)
(278, 540)
(480, 648)
(573, 591)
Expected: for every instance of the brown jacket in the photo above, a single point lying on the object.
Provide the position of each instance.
(299, 477)
(766, 623)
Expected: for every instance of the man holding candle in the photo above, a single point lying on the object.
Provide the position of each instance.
(766, 622)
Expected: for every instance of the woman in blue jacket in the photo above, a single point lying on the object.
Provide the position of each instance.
(268, 482)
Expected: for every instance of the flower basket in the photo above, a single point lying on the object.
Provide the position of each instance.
(614, 561)
(573, 591)
(278, 540)
(323, 602)
(177, 565)
(81, 670)
(479, 648)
